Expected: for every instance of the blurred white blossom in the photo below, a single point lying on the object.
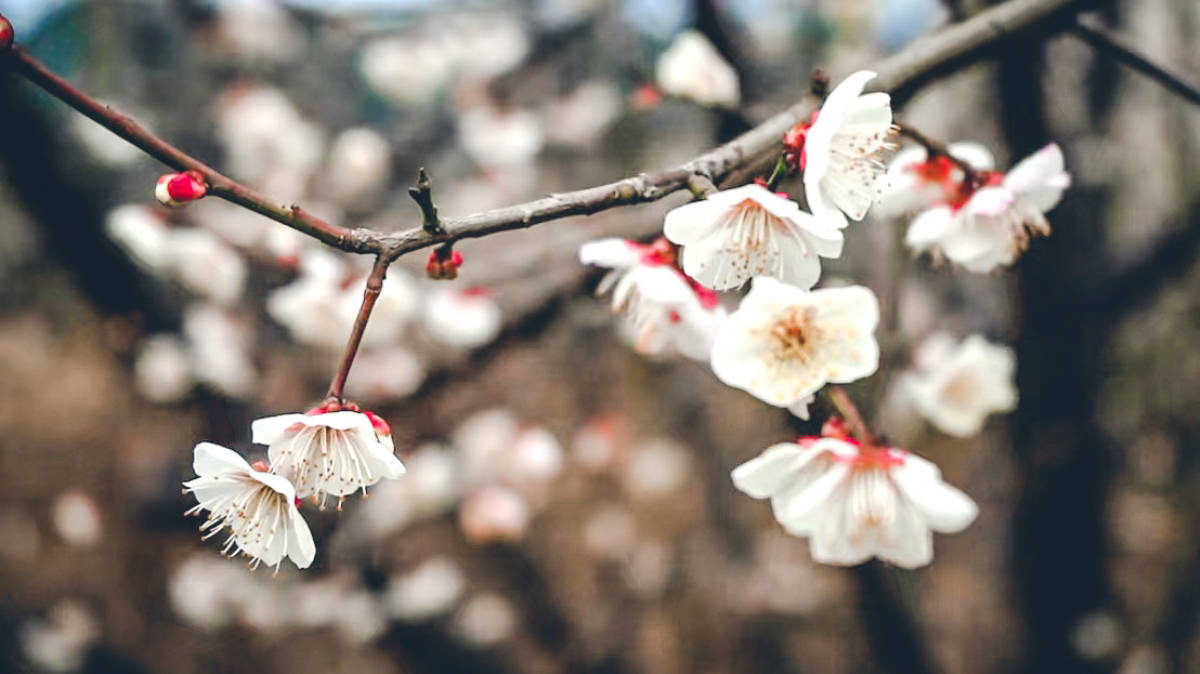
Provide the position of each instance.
(220, 349)
(358, 168)
(494, 513)
(142, 233)
(76, 518)
(956, 385)
(500, 138)
(486, 620)
(463, 319)
(428, 591)
(692, 68)
(163, 369)
(60, 642)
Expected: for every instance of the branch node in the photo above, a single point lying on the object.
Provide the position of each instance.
(423, 195)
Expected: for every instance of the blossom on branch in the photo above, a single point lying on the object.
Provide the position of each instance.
(177, 189)
(692, 68)
(957, 385)
(855, 502)
(840, 150)
(259, 508)
(783, 343)
(749, 231)
(916, 181)
(990, 221)
(464, 319)
(329, 450)
(665, 311)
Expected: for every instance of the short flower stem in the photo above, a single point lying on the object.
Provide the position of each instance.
(781, 171)
(936, 149)
(370, 294)
(841, 401)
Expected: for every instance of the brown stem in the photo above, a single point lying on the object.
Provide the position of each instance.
(1101, 39)
(845, 407)
(370, 294)
(934, 148)
(902, 73)
(218, 184)
(423, 195)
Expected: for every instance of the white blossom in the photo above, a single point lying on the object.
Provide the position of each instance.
(205, 264)
(385, 374)
(259, 508)
(311, 307)
(500, 138)
(76, 518)
(581, 118)
(60, 643)
(957, 385)
(692, 68)
(749, 231)
(266, 140)
(915, 181)
(486, 620)
(427, 591)
(993, 226)
(783, 344)
(854, 503)
(842, 150)
(408, 70)
(259, 31)
(464, 319)
(334, 453)
(219, 345)
(665, 313)
(163, 369)
(494, 513)
(142, 233)
(359, 166)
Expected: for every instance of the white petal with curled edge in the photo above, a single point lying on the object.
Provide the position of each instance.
(910, 543)
(692, 222)
(975, 154)
(210, 460)
(1040, 178)
(944, 508)
(267, 430)
(613, 252)
(301, 548)
(769, 472)
(929, 228)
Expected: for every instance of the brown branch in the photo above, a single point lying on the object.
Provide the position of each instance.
(1101, 39)
(423, 195)
(370, 294)
(935, 148)
(218, 184)
(902, 73)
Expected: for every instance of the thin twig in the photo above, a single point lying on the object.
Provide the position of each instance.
(1102, 39)
(370, 294)
(845, 407)
(423, 195)
(934, 148)
(902, 73)
(218, 185)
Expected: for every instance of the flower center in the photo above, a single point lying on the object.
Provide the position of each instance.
(792, 335)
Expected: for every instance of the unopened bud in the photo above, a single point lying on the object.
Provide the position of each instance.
(443, 264)
(6, 33)
(176, 189)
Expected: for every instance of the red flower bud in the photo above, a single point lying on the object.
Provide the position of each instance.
(6, 33)
(176, 189)
(443, 264)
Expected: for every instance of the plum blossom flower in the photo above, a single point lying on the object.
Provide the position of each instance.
(749, 231)
(916, 181)
(692, 68)
(329, 450)
(311, 307)
(464, 319)
(259, 508)
(666, 312)
(993, 218)
(783, 343)
(957, 385)
(855, 502)
(840, 150)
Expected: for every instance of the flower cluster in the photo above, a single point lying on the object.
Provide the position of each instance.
(853, 498)
(332, 450)
(978, 219)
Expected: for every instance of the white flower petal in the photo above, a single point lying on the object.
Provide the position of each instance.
(1040, 178)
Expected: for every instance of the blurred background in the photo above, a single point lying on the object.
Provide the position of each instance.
(568, 506)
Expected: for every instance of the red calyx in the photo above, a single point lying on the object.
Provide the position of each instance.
(381, 427)
(835, 427)
(7, 34)
(443, 264)
(261, 466)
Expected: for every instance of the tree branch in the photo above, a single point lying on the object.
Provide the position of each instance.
(1101, 39)
(902, 74)
(370, 294)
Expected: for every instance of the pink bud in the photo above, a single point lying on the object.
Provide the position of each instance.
(176, 189)
(443, 264)
(6, 33)
(260, 465)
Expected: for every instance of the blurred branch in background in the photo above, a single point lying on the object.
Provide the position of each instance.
(1089, 30)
